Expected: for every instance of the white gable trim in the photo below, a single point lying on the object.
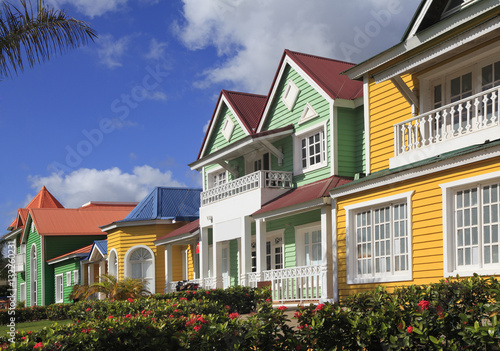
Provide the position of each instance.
(216, 116)
(417, 23)
(303, 75)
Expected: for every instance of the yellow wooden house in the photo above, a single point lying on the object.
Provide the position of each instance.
(131, 249)
(429, 205)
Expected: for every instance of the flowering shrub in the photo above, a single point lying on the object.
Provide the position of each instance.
(24, 314)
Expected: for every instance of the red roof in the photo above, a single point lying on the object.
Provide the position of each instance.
(327, 74)
(247, 107)
(44, 199)
(305, 193)
(76, 221)
(83, 250)
(191, 227)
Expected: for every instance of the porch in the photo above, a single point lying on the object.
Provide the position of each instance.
(466, 122)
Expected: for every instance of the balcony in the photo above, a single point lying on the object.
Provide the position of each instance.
(467, 122)
(255, 180)
(20, 263)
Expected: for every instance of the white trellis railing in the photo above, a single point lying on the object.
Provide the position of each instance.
(469, 115)
(250, 279)
(255, 180)
(297, 283)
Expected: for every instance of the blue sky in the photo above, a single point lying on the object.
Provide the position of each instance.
(109, 121)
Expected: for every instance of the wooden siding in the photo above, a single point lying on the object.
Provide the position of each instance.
(289, 224)
(217, 140)
(123, 239)
(234, 268)
(387, 107)
(59, 245)
(279, 116)
(426, 223)
(350, 150)
(21, 277)
(63, 268)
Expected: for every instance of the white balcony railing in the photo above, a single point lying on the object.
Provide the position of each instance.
(467, 116)
(297, 283)
(20, 263)
(255, 180)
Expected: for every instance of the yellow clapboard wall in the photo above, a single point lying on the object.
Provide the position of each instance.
(125, 238)
(426, 223)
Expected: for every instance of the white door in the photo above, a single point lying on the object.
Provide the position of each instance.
(274, 253)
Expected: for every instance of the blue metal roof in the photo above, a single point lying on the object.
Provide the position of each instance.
(101, 245)
(180, 204)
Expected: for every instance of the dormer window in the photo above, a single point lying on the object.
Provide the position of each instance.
(454, 6)
(227, 128)
(290, 96)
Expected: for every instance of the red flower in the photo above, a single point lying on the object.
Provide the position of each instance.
(320, 307)
(129, 316)
(130, 300)
(409, 329)
(227, 307)
(29, 332)
(268, 300)
(183, 299)
(234, 315)
(39, 345)
(208, 292)
(400, 326)
(197, 327)
(110, 317)
(439, 311)
(282, 308)
(297, 314)
(109, 330)
(423, 305)
(88, 309)
(23, 338)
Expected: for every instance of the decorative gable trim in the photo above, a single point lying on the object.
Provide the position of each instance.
(308, 114)
(216, 115)
(288, 61)
(290, 95)
(227, 128)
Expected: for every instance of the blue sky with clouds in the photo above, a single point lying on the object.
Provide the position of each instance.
(111, 120)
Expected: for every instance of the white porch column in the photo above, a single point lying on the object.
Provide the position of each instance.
(168, 267)
(217, 264)
(102, 270)
(246, 248)
(90, 274)
(204, 253)
(260, 246)
(326, 254)
(335, 272)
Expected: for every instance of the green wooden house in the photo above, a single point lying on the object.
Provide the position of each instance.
(268, 163)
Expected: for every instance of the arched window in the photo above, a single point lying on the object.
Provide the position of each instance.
(113, 263)
(140, 264)
(33, 276)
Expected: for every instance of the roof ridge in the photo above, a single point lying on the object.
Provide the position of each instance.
(244, 93)
(319, 57)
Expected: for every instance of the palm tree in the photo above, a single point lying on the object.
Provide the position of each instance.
(114, 289)
(35, 36)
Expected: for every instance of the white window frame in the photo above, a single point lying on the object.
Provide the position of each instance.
(300, 231)
(306, 133)
(351, 259)
(449, 255)
(33, 274)
(68, 278)
(59, 288)
(227, 128)
(290, 95)
(113, 264)
(216, 172)
(128, 268)
(442, 75)
(75, 277)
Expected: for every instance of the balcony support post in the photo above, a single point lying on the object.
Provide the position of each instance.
(274, 150)
(260, 245)
(234, 172)
(246, 246)
(326, 254)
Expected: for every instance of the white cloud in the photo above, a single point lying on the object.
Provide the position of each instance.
(110, 51)
(156, 50)
(250, 35)
(205, 127)
(91, 8)
(156, 95)
(84, 185)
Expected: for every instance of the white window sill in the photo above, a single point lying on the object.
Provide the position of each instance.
(380, 279)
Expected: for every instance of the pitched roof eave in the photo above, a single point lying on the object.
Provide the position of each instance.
(242, 144)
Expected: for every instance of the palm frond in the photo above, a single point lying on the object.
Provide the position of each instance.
(35, 36)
